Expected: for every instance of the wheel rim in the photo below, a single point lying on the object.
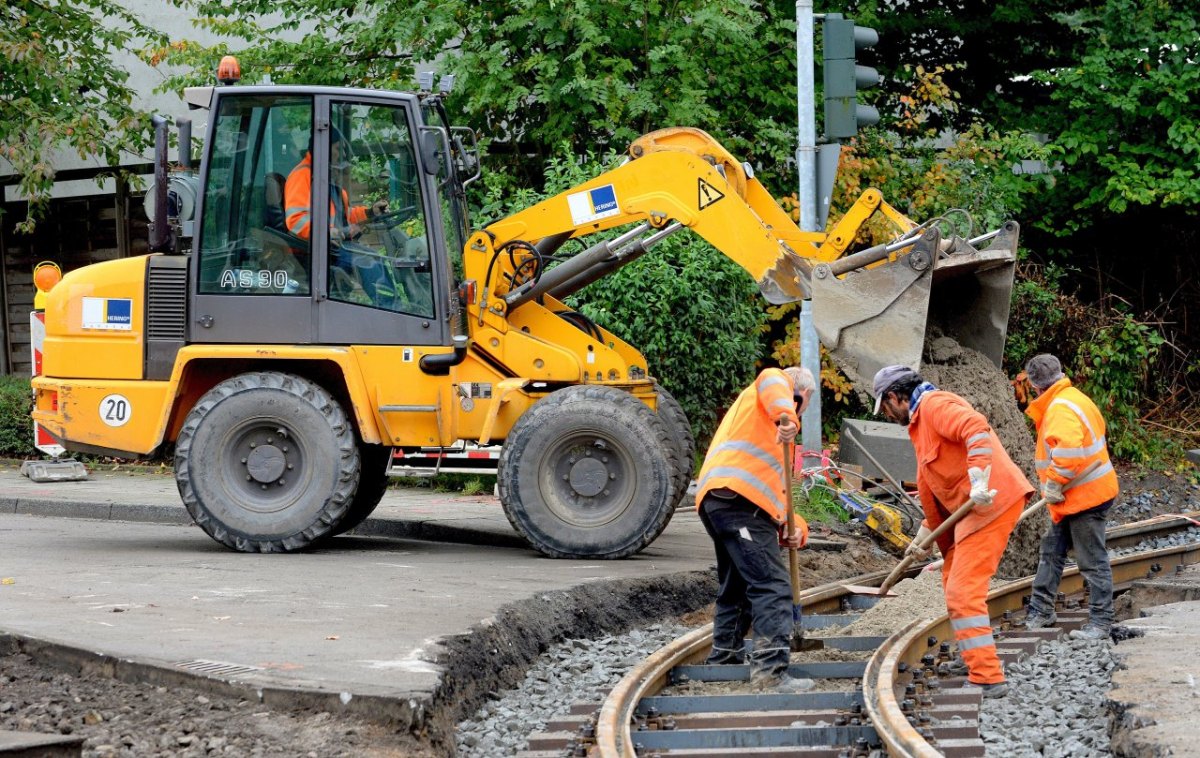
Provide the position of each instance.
(587, 479)
(264, 469)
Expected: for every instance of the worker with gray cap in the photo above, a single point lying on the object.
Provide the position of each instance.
(1070, 437)
(960, 464)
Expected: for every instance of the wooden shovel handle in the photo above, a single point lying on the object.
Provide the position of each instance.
(924, 544)
(1039, 504)
(793, 559)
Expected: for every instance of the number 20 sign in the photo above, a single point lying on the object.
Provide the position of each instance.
(115, 410)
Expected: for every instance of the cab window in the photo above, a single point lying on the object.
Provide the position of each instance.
(245, 245)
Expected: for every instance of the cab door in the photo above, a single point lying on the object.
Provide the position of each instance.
(380, 246)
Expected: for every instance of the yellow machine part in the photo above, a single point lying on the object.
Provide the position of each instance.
(885, 522)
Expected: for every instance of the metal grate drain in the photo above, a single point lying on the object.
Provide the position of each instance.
(218, 668)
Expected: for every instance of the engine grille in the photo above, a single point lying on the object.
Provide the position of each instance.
(166, 304)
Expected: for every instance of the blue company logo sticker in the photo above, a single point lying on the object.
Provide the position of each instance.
(604, 199)
(120, 312)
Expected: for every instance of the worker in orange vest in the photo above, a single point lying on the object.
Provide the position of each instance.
(960, 463)
(743, 506)
(1070, 437)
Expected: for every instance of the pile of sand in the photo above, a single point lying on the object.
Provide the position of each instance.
(919, 597)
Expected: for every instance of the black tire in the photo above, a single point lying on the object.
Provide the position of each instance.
(679, 433)
(373, 482)
(586, 473)
(267, 462)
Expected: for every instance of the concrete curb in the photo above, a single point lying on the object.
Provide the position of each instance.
(392, 528)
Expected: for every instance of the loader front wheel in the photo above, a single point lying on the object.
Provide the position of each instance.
(267, 462)
(584, 474)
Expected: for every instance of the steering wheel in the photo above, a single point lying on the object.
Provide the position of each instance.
(389, 219)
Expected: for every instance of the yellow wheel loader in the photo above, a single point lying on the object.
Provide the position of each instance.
(317, 297)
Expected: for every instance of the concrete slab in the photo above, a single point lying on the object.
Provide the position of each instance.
(1156, 693)
(126, 584)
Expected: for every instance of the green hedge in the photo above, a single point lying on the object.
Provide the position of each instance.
(16, 428)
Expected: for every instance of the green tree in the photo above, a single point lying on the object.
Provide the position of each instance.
(61, 89)
(533, 74)
(1125, 118)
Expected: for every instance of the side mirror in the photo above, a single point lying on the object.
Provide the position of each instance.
(435, 150)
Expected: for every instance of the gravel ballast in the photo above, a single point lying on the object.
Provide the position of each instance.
(565, 674)
(1055, 705)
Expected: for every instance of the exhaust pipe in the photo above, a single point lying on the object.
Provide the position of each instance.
(161, 237)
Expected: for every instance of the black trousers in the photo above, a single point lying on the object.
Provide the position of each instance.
(755, 588)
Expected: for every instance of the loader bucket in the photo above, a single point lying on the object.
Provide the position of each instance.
(883, 315)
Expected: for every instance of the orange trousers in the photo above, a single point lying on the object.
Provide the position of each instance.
(968, 568)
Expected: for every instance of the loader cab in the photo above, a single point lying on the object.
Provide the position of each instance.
(325, 215)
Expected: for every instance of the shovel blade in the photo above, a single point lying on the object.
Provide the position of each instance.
(863, 589)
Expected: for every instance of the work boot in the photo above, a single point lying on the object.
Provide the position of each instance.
(1040, 621)
(953, 667)
(999, 689)
(1091, 631)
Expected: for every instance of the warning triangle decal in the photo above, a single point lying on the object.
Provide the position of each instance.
(709, 194)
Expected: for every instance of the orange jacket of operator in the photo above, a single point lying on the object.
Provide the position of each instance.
(297, 199)
(949, 436)
(1070, 437)
(744, 455)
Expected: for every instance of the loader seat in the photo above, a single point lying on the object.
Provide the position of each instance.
(281, 248)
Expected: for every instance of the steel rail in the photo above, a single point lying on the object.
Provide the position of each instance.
(614, 739)
(910, 644)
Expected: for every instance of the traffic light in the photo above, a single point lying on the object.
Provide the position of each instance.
(844, 79)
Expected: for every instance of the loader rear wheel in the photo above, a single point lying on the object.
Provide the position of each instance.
(679, 432)
(267, 462)
(585, 473)
(373, 482)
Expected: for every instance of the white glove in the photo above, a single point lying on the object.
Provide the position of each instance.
(1053, 491)
(980, 493)
(914, 548)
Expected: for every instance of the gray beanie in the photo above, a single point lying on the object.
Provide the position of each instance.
(1043, 370)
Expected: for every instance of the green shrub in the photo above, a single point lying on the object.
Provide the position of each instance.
(16, 428)
(1114, 369)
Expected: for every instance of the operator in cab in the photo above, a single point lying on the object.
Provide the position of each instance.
(345, 220)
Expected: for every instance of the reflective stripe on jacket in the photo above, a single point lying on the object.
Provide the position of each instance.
(1070, 437)
(297, 199)
(949, 436)
(744, 455)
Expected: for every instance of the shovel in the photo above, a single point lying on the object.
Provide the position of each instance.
(957, 515)
(925, 544)
(799, 643)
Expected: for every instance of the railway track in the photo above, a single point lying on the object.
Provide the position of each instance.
(880, 696)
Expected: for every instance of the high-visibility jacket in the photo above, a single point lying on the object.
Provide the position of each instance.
(744, 455)
(297, 199)
(1070, 437)
(949, 436)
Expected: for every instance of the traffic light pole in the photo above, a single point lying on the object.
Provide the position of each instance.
(806, 161)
